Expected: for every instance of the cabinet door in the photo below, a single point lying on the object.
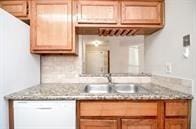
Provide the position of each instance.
(16, 8)
(98, 124)
(97, 11)
(176, 124)
(51, 25)
(139, 124)
(134, 12)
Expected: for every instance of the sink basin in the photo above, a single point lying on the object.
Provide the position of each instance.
(114, 88)
(126, 88)
(98, 88)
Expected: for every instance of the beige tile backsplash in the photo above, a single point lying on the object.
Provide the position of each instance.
(183, 85)
(67, 69)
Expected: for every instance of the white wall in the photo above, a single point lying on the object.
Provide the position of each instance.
(18, 68)
(165, 46)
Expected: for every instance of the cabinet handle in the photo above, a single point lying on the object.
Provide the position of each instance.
(45, 108)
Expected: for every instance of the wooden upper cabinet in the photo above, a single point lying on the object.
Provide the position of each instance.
(139, 124)
(97, 11)
(139, 12)
(51, 26)
(98, 124)
(176, 123)
(16, 8)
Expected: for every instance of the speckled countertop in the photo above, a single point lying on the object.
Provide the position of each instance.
(76, 92)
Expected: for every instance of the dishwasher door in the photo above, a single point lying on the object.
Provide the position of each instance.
(44, 115)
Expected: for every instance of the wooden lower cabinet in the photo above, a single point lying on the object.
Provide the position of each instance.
(176, 123)
(139, 124)
(98, 124)
(174, 114)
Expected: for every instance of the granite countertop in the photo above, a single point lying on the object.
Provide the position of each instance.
(75, 92)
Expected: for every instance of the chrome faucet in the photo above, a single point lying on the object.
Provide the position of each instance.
(109, 77)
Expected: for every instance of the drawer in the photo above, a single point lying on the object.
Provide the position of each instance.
(98, 124)
(16, 8)
(139, 123)
(97, 12)
(176, 109)
(94, 108)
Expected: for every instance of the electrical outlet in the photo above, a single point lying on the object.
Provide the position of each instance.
(168, 68)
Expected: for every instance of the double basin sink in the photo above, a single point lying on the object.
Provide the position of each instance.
(113, 88)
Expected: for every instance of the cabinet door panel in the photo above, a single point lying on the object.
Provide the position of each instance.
(51, 23)
(16, 8)
(176, 108)
(176, 124)
(139, 124)
(97, 11)
(98, 124)
(141, 13)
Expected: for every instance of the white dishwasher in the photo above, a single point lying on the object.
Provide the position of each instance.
(44, 114)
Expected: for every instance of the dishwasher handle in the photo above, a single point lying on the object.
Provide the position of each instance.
(44, 108)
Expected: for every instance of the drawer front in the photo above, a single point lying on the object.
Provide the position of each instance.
(16, 8)
(97, 12)
(176, 123)
(176, 108)
(118, 108)
(141, 12)
(139, 124)
(98, 124)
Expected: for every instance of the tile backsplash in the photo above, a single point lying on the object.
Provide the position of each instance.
(67, 69)
(174, 83)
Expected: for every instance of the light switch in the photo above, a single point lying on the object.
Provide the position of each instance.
(186, 40)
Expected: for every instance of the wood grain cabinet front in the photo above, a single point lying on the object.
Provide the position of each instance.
(97, 11)
(98, 124)
(139, 124)
(177, 123)
(177, 108)
(139, 12)
(134, 114)
(51, 26)
(17, 8)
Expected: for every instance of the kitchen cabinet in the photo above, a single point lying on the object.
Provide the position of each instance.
(139, 12)
(51, 27)
(18, 8)
(177, 115)
(132, 17)
(163, 114)
(96, 12)
(98, 124)
(177, 123)
(139, 124)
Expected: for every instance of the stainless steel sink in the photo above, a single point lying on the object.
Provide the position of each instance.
(114, 88)
(126, 88)
(98, 88)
